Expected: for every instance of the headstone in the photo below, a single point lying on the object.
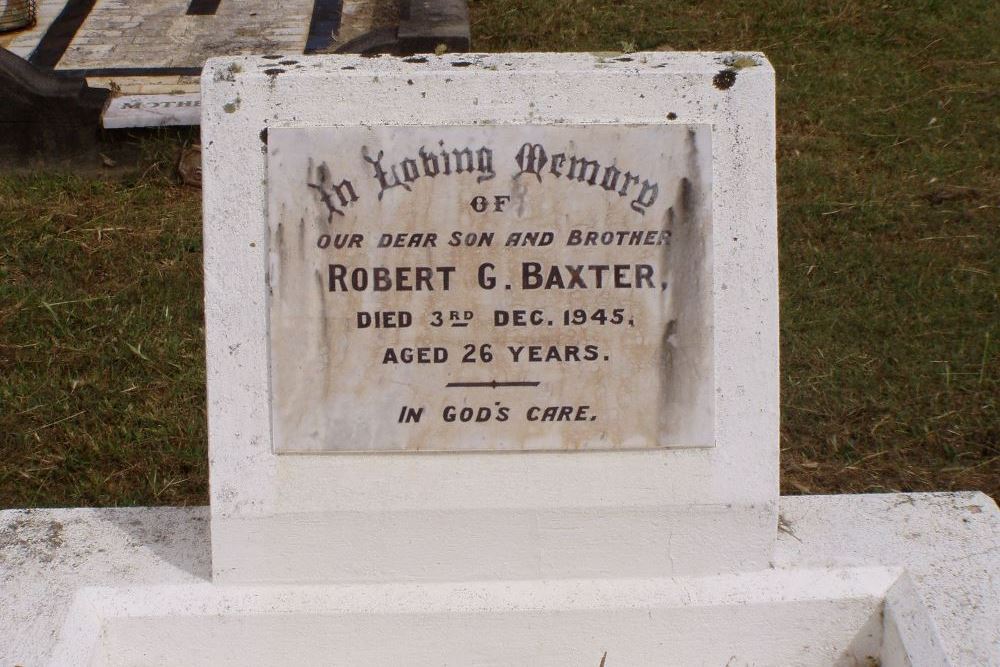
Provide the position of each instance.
(152, 110)
(504, 316)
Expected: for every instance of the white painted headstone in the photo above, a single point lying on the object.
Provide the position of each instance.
(477, 256)
(152, 110)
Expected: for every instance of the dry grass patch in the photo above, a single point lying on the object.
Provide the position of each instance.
(101, 356)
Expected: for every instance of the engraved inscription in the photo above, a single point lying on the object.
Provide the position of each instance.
(490, 288)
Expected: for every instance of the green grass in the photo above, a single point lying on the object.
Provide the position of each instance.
(889, 187)
(101, 356)
(889, 144)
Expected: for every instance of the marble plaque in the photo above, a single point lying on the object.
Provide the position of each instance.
(152, 110)
(480, 288)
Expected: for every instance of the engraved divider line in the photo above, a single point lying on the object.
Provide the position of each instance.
(493, 384)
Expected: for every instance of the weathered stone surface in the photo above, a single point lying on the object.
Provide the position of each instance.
(153, 110)
(140, 34)
(450, 288)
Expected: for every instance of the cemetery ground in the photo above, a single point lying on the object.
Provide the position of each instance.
(889, 187)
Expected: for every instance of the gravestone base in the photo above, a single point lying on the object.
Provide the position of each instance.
(904, 579)
(491, 544)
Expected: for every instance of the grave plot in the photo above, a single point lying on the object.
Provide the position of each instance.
(151, 53)
(169, 36)
(492, 373)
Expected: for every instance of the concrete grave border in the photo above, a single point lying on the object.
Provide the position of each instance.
(73, 577)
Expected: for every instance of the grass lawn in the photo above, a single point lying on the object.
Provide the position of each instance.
(889, 187)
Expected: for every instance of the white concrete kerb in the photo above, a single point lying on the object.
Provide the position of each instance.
(638, 557)
(901, 579)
